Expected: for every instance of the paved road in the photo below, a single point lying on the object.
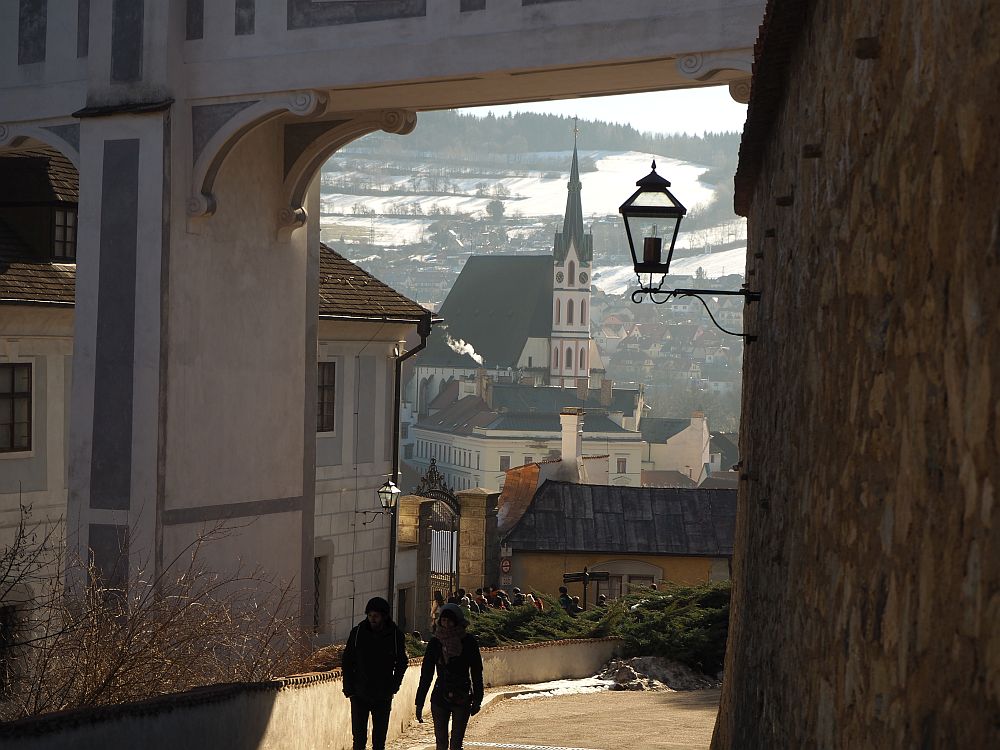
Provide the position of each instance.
(592, 721)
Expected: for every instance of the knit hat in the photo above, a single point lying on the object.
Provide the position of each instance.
(455, 612)
(377, 604)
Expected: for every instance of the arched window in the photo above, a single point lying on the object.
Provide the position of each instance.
(558, 310)
(583, 359)
(583, 312)
(569, 312)
(555, 359)
(568, 362)
(572, 274)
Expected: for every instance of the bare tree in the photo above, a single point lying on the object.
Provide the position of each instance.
(149, 635)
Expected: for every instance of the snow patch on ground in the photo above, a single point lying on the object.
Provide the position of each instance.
(565, 687)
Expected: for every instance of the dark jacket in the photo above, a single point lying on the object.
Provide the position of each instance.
(462, 676)
(373, 663)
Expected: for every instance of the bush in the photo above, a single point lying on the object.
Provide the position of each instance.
(684, 623)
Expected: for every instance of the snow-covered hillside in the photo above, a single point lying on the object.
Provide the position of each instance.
(533, 195)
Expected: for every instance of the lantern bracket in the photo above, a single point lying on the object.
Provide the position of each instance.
(659, 295)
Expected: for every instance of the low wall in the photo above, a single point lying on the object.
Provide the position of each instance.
(306, 711)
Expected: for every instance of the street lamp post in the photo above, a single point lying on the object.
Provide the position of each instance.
(652, 220)
(388, 497)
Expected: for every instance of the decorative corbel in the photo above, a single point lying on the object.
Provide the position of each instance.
(700, 66)
(217, 128)
(308, 145)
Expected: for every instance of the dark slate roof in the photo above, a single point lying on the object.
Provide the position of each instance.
(661, 429)
(496, 304)
(38, 175)
(551, 399)
(24, 278)
(346, 291)
(726, 443)
(592, 423)
(566, 517)
(460, 417)
(572, 232)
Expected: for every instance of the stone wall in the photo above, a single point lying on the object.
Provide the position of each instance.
(294, 712)
(867, 579)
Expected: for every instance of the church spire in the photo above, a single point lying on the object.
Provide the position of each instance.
(573, 220)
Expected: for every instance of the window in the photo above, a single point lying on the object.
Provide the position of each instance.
(15, 407)
(326, 397)
(555, 359)
(583, 359)
(404, 430)
(558, 311)
(622, 465)
(408, 451)
(64, 234)
(611, 588)
(568, 362)
(529, 460)
(504, 463)
(569, 312)
(572, 273)
(583, 312)
(640, 582)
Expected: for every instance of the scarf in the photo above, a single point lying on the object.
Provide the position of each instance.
(451, 641)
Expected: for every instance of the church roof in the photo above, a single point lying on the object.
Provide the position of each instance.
(572, 232)
(566, 517)
(496, 304)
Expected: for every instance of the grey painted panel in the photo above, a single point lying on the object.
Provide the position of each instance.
(390, 407)
(365, 438)
(82, 28)
(195, 19)
(69, 133)
(126, 41)
(206, 119)
(225, 511)
(108, 545)
(111, 457)
(32, 23)
(245, 11)
(306, 13)
(330, 450)
(29, 474)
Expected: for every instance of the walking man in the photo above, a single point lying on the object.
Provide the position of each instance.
(373, 666)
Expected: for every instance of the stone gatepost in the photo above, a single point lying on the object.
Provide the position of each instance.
(472, 539)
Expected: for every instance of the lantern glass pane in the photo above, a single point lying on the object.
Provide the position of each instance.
(651, 199)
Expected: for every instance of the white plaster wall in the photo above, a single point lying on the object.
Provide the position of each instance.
(38, 334)
(687, 451)
(304, 712)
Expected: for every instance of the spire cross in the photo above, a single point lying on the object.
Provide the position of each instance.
(576, 129)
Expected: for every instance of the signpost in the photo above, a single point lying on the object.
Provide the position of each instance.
(585, 577)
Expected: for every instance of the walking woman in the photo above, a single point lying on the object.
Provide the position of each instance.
(458, 690)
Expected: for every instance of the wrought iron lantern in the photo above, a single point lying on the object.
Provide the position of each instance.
(388, 495)
(652, 218)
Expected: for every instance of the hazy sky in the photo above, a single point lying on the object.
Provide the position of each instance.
(686, 111)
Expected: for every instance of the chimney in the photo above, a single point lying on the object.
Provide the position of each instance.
(571, 419)
(582, 389)
(607, 390)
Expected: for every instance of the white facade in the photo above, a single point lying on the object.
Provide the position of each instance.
(688, 451)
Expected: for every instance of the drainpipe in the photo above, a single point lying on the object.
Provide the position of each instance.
(423, 330)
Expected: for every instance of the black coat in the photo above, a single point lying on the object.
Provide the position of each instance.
(461, 676)
(374, 662)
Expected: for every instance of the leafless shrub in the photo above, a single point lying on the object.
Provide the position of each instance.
(184, 627)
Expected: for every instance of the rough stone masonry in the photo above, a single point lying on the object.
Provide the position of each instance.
(866, 605)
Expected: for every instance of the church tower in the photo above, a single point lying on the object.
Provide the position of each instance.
(573, 254)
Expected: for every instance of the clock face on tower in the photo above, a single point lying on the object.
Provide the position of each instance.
(583, 278)
(559, 277)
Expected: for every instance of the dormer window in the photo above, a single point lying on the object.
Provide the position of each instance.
(64, 234)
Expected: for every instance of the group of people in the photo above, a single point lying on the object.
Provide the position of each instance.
(374, 662)
(490, 597)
